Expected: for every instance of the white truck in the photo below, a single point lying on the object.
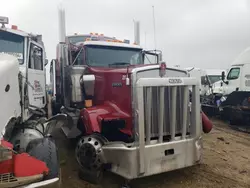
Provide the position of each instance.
(206, 77)
(232, 93)
(201, 75)
(238, 77)
(25, 137)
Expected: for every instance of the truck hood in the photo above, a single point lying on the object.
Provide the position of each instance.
(110, 84)
(113, 96)
(9, 89)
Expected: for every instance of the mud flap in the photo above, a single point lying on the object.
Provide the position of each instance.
(45, 150)
(91, 176)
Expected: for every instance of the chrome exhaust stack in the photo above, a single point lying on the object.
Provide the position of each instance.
(62, 25)
(137, 32)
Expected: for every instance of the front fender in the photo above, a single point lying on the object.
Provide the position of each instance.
(89, 117)
(92, 117)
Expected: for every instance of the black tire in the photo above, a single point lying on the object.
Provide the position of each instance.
(91, 176)
(55, 107)
(45, 150)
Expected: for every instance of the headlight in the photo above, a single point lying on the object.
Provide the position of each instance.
(88, 82)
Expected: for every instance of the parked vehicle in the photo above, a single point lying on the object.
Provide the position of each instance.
(232, 96)
(206, 77)
(28, 155)
(132, 118)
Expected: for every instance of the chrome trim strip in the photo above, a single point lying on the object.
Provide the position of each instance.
(42, 183)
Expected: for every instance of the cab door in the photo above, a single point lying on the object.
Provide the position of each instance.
(232, 82)
(36, 76)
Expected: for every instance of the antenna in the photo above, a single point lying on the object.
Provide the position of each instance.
(145, 39)
(154, 25)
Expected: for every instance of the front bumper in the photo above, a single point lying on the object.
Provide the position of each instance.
(45, 184)
(158, 158)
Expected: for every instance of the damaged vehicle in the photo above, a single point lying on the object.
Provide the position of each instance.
(231, 100)
(129, 117)
(28, 153)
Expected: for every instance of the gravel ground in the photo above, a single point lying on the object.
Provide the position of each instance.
(226, 163)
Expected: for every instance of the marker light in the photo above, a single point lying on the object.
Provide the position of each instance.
(163, 69)
(94, 38)
(126, 41)
(14, 27)
(88, 103)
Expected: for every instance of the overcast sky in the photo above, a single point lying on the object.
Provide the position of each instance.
(201, 33)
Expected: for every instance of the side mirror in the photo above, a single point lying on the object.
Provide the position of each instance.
(223, 75)
(46, 62)
(160, 57)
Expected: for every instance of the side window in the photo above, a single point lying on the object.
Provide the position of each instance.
(78, 57)
(35, 57)
(150, 59)
(135, 59)
(233, 74)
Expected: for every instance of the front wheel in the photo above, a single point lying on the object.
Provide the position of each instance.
(90, 158)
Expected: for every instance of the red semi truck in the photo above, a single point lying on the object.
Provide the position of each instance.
(133, 119)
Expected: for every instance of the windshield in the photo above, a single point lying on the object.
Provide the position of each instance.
(214, 78)
(107, 56)
(150, 59)
(12, 44)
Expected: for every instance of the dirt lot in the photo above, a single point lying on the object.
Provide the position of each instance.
(226, 163)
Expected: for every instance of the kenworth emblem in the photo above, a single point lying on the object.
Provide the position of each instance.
(116, 84)
(175, 81)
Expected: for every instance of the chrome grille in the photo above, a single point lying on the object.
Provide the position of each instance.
(163, 109)
(159, 104)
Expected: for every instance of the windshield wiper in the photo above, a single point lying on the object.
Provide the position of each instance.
(119, 63)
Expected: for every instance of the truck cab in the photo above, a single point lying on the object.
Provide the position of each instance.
(25, 137)
(130, 114)
(201, 75)
(95, 52)
(29, 50)
(238, 76)
(113, 92)
(214, 77)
